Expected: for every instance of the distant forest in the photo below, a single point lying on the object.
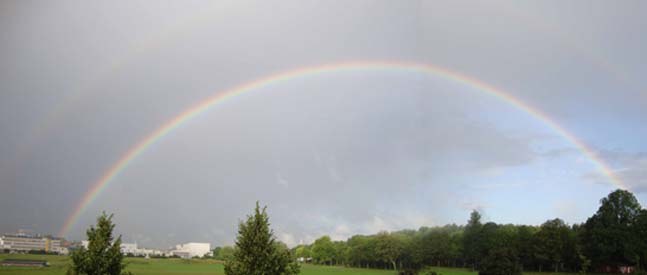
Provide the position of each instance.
(613, 239)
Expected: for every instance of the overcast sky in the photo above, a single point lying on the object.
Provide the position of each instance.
(339, 153)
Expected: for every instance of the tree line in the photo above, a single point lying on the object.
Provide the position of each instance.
(615, 237)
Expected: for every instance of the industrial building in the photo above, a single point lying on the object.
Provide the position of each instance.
(22, 242)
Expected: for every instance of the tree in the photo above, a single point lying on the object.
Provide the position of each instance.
(609, 236)
(615, 236)
(500, 261)
(103, 254)
(340, 254)
(323, 250)
(360, 250)
(525, 245)
(224, 253)
(641, 234)
(216, 251)
(552, 242)
(257, 252)
(490, 238)
(433, 247)
(302, 251)
(388, 248)
(455, 250)
(406, 258)
(472, 239)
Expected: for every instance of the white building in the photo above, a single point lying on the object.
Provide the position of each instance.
(24, 242)
(190, 250)
(62, 251)
(2, 245)
(129, 248)
(132, 248)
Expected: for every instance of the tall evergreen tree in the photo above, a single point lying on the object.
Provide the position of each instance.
(103, 255)
(257, 252)
(472, 239)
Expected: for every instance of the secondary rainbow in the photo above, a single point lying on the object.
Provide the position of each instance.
(419, 68)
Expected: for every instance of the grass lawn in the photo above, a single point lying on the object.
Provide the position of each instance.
(57, 264)
(453, 271)
(467, 271)
(140, 266)
(338, 270)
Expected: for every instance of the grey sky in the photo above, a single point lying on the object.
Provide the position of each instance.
(338, 154)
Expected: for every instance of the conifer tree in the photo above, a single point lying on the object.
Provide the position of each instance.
(257, 252)
(472, 242)
(103, 255)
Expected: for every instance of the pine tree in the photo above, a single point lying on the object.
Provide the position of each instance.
(472, 242)
(103, 255)
(257, 252)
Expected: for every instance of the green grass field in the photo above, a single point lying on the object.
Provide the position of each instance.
(139, 266)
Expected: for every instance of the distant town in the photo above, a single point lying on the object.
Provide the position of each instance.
(29, 243)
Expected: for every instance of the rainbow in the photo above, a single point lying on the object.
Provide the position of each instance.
(429, 69)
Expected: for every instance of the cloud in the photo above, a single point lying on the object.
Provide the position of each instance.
(335, 153)
(560, 152)
(281, 180)
(631, 169)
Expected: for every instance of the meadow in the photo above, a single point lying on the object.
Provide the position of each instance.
(140, 266)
